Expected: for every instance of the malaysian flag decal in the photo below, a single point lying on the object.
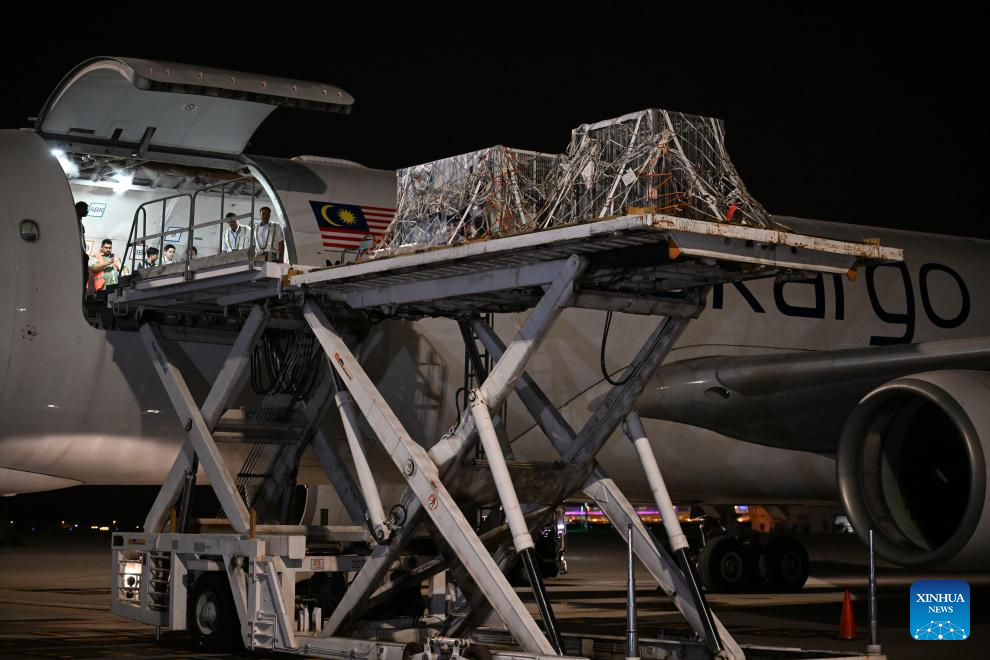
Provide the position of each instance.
(344, 226)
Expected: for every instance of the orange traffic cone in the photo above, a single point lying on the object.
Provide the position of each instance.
(847, 625)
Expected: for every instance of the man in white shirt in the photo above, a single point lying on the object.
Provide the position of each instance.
(269, 241)
(235, 235)
(169, 256)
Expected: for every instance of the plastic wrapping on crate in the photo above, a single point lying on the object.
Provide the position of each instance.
(482, 194)
(652, 161)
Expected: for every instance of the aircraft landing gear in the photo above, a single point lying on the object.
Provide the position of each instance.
(727, 564)
(786, 564)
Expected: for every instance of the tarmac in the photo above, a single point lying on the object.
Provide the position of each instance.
(54, 603)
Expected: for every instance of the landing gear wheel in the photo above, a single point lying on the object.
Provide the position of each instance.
(212, 618)
(727, 565)
(787, 564)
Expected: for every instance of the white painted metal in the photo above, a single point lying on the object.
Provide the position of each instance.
(637, 435)
(606, 493)
(274, 594)
(621, 513)
(198, 432)
(177, 596)
(193, 108)
(329, 457)
(500, 381)
(366, 478)
(240, 283)
(212, 409)
(340, 478)
(636, 304)
(616, 404)
(444, 453)
(262, 579)
(521, 538)
(710, 234)
(424, 480)
(516, 277)
(239, 582)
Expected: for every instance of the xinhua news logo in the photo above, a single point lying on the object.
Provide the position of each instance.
(940, 610)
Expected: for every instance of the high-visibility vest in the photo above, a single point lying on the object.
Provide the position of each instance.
(96, 281)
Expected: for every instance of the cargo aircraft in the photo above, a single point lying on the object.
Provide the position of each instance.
(872, 391)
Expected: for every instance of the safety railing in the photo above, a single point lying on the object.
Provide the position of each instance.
(141, 214)
(188, 232)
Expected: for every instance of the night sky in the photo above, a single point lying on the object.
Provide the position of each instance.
(872, 118)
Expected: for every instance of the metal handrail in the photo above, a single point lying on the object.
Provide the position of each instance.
(223, 193)
(132, 239)
(208, 223)
(141, 213)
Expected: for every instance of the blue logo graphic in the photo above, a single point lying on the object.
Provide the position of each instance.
(331, 216)
(940, 610)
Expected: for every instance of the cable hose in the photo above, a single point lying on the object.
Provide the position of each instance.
(601, 357)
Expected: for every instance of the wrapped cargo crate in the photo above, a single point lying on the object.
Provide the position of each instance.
(652, 161)
(484, 194)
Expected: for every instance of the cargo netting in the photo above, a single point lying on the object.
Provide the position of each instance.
(653, 161)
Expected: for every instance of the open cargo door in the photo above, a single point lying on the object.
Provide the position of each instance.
(156, 110)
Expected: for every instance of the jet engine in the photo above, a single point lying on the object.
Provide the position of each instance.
(912, 465)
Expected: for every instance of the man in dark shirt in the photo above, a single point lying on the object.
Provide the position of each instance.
(150, 258)
(82, 210)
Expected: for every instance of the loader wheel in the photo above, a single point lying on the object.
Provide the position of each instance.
(786, 563)
(212, 617)
(727, 565)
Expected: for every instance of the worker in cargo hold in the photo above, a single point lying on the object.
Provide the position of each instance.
(82, 210)
(104, 268)
(235, 235)
(150, 258)
(169, 256)
(269, 241)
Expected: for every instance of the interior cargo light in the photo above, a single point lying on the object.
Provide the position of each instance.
(123, 183)
(68, 166)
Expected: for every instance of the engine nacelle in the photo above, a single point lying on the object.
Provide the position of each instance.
(912, 466)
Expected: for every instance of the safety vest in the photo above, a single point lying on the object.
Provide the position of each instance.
(96, 281)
